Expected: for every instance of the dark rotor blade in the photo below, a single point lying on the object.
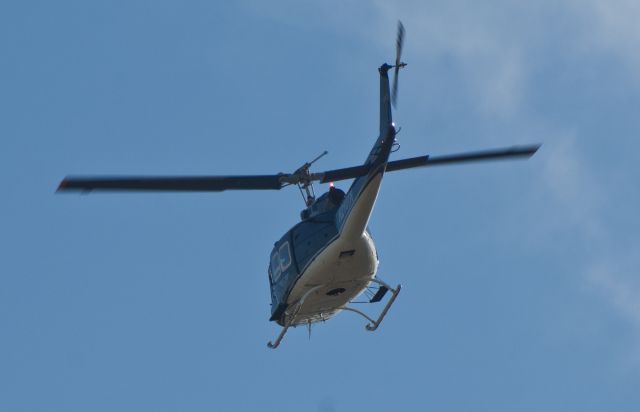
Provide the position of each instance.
(424, 161)
(171, 183)
(344, 174)
(485, 155)
(399, 44)
(394, 90)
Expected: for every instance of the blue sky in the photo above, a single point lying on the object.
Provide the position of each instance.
(520, 279)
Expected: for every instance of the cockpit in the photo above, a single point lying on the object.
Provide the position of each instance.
(329, 201)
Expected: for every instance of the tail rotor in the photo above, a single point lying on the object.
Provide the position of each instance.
(399, 64)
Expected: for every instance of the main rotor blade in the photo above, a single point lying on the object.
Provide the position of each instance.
(424, 161)
(485, 155)
(171, 183)
(343, 174)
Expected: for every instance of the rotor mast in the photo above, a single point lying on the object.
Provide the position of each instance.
(305, 180)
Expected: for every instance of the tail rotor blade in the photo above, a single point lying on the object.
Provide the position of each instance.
(394, 91)
(399, 64)
(399, 42)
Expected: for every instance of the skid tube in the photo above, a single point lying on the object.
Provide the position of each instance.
(292, 317)
(373, 324)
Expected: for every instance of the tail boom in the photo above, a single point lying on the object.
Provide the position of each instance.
(354, 212)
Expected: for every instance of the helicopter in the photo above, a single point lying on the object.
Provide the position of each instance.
(328, 259)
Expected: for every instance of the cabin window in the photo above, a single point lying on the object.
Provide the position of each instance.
(285, 256)
(275, 267)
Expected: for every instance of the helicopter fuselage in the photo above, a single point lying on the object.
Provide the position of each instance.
(329, 258)
(331, 252)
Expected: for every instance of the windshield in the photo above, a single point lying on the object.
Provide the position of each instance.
(275, 266)
(285, 256)
(280, 261)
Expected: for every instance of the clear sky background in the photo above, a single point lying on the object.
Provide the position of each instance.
(521, 288)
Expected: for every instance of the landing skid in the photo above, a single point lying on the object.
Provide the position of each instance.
(373, 324)
(290, 317)
(291, 313)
